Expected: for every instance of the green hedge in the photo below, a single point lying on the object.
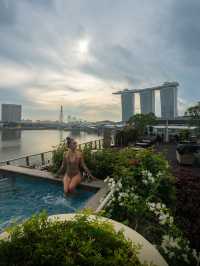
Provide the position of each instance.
(69, 243)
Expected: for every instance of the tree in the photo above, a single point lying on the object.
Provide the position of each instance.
(141, 121)
(193, 113)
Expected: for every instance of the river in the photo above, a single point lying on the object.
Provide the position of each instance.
(16, 143)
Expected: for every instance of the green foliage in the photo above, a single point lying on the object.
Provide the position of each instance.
(193, 113)
(81, 241)
(131, 167)
(141, 121)
(57, 158)
(184, 134)
(144, 199)
(126, 136)
(101, 163)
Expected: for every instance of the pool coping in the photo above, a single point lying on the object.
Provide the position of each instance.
(93, 202)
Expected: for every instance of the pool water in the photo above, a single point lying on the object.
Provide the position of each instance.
(21, 197)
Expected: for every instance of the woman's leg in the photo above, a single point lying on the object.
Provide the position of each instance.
(66, 183)
(75, 181)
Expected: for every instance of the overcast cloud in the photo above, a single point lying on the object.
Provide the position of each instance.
(77, 52)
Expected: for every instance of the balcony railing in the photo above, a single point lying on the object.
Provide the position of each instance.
(39, 160)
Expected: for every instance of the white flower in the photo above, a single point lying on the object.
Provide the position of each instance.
(106, 179)
(171, 254)
(119, 184)
(185, 257)
(196, 256)
(194, 253)
(158, 205)
(171, 220)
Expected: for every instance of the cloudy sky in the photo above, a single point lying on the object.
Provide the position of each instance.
(77, 52)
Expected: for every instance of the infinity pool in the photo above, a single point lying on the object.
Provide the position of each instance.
(22, 196)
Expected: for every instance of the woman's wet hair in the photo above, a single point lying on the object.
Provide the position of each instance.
(69, 141)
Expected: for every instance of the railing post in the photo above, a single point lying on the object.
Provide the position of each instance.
(8, 163)
(79, 147)
(99, 144)
(90, 145)
(27, 161)
(42, 159)
(95, 144)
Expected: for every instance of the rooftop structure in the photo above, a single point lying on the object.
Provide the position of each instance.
(168, 98)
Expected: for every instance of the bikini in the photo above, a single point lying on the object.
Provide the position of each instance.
(72, 166)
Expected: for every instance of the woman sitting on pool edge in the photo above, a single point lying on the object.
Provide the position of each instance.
(71, 166)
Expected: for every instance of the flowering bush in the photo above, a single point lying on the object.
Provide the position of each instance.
(144, 199)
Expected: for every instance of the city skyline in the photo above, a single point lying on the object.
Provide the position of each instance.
(77, 53)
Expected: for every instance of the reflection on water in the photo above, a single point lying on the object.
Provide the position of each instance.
(16, 143)
(10, 139)
(8, 134)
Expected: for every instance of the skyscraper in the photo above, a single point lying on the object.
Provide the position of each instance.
(168, 99)
(147, 101)
(11, 113)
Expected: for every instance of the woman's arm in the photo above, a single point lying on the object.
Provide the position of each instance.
(84, 166)
(62, 168)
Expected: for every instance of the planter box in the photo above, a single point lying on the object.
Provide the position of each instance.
(187, 158)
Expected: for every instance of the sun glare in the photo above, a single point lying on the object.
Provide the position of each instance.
(83, 46)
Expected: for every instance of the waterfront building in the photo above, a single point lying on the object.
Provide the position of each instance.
(11, 113)
(168, 99)
(128, 104)
(147, 101)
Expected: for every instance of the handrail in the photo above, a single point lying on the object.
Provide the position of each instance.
(26, 157)
(105, 201)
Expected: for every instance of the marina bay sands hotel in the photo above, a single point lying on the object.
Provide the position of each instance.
(168, 100)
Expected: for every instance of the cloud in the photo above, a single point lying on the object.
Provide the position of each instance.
(77, 53)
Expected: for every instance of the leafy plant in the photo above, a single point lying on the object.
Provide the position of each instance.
(100, 163)
(184, 134)
(144, 199)
(126, 136)
(58, 157)
(81, 241)
(141, 121)
(193, 113)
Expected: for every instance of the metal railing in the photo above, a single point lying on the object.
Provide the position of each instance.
(45, 158)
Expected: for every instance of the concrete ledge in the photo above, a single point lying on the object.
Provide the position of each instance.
(94, 202)
(96, 184)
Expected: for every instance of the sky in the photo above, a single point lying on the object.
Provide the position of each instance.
(76, 53)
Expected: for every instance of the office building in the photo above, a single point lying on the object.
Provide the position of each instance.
(128, 104)
(11, 113)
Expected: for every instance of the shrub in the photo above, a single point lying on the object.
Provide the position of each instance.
(81, 241)
(144, 199)
(100, 163)
(126, 136)
(58, 157)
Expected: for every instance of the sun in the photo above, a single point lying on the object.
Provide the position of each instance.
(83, 46)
